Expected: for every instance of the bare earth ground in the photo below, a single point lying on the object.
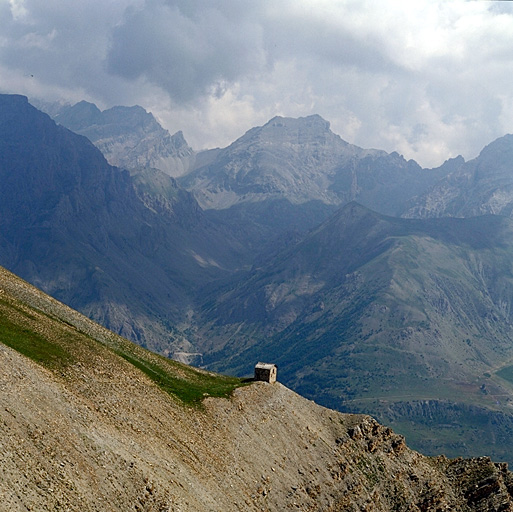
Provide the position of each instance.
(98, 435)
(111, 440)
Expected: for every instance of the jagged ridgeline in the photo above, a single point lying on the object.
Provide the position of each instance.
(90, 421)
(129, 137)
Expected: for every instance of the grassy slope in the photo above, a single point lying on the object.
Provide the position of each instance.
(56, 337)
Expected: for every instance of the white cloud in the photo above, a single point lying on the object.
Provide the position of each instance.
(428, 79)
(18, 10)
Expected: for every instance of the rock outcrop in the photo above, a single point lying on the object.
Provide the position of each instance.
(480, 186)
(129, 137)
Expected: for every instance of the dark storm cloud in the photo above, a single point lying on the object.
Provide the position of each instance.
(187, 48)
(60, 44)
(195, 48)
(323, 40)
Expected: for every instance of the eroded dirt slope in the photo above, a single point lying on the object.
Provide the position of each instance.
(94, 433)
(112, 440)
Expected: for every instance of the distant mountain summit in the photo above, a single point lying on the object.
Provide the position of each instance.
(292, 174)
(286, 158)
(480, 186)
(302, 160)
(129, 137)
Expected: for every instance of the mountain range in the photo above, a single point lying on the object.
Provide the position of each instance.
(302, 160)
(90, 421)
(291, 174)
(260, 251)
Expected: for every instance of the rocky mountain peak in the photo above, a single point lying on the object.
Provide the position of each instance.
(13, 101)
(314, 122)
(90, 121)
(302, 161)
(480, 186)
(80, 116)
(295, 131)
(129, 137)
(498, 150)
(286, 158)
(180, 145)
(17, 115)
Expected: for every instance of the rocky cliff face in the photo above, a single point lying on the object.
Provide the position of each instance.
(83, 428)
(83, 230)
(302, 160)
(481, 186)
(129, 137)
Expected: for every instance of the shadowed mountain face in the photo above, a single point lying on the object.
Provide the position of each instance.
(385, 315)
(129, 137)
(481, 186)
(126, 250)
(90, 421)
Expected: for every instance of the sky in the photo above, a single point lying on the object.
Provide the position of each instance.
(428, 79)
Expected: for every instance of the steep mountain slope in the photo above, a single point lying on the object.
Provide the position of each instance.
(127, 251)
(480, 186)
(129, 137)
(409, 320)
(87, 426)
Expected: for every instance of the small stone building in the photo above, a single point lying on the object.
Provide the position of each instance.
(266, 372)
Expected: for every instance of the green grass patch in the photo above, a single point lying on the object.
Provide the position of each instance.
(192, 387)
(32, 345)
(506, 373)
(47, 340)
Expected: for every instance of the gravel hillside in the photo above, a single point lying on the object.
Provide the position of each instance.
(89, 431)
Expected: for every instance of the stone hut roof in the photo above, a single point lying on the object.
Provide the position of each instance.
(265, 366)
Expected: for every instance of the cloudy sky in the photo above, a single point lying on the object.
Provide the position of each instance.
(428, 79)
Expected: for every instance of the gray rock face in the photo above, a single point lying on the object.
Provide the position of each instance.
(481, 186)
(286, 158)
(302, 160)
(129, 137)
